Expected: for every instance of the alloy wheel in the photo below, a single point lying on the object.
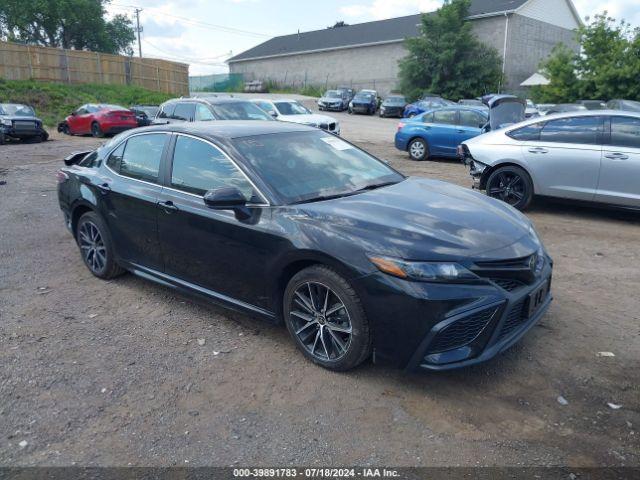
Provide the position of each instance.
(508, 187)
(92, 246)
(320, 321)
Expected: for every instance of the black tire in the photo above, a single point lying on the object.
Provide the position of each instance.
(102, 265)
(418, 149)
(341, 340)
(3, 140)
(65, 129)
(350, 111)
(512, 185)
(96, 131)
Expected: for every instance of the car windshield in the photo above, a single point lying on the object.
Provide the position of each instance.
(395, 100)
(307, 166)
(363, 97)
(17, 110)
(239, 111)
(473, 103)
(333, 94)
(291, 108)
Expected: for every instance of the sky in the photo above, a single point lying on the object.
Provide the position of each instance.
(204, 33)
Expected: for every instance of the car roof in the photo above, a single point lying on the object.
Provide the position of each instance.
(578, 113)
(228, 129)
(207, 100)
(273, 100)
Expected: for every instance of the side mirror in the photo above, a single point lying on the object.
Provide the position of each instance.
(228, 198)
(73, 114)
(273, 113)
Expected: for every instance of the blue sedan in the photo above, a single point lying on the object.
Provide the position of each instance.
(437, 133)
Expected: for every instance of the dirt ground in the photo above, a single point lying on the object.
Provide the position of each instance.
(112, 373)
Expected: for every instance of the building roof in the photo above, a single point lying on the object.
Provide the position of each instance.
(381, 31)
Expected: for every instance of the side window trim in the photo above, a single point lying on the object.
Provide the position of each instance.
(163, 158)
(169, 170)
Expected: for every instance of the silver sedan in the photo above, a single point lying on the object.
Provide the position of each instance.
(591, 156)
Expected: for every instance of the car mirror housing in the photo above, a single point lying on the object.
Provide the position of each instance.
(273, 113)
(228, 198)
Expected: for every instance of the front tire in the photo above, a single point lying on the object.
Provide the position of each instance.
(418, 150)
(96, 131)
(96, 247)
(326, 319)
(512, 185)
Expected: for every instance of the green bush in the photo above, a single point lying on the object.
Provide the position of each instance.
(54, 101)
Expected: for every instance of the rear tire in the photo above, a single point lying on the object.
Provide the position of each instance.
(3, 140)
(418, 150)
(512, 185)
(96, 131)
(96, 247)
(326, 320)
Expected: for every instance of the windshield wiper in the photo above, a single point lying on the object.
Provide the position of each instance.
(375, 186)
(320, 198)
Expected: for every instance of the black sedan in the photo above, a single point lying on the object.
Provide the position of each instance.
(19, 122)
(393, 106)
(293, 224)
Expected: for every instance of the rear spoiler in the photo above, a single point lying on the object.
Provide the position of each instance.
(76, 157)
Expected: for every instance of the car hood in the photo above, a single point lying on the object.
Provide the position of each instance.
(330, 100)
(307, 119)
(422, 219)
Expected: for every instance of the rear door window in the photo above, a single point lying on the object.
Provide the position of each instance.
(625, 132)
(139, 157)
(469, 118)
(580, 130)
(445, 117)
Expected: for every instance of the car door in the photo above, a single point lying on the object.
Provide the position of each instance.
(565, 160)
(619, 181)
(80, 123)
(470, 125)
(129, 192)
(212, 248)
(443, 135)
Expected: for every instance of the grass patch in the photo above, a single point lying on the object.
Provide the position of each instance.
(54, 101)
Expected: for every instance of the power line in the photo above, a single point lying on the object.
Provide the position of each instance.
(187, 59)
(198, 23)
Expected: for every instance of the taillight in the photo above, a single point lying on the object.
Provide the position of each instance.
(400, 126)
(61, 176)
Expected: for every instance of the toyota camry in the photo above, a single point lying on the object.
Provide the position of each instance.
(295, 225)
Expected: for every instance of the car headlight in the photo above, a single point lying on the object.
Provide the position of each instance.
(423, 271)
(6, 122)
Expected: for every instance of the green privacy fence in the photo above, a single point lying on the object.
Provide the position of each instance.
(223, 82)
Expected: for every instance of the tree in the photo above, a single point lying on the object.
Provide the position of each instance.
(447, 58)
(338, 24)
(77, 24)
(606, 66)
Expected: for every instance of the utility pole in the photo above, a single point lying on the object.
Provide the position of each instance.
(138, 31)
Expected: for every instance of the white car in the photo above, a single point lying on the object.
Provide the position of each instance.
(591, 156)
(292, 111)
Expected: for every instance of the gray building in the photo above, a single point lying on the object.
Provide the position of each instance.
(366, 55)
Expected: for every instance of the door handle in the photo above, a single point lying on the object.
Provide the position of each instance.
(104, 188)
(617, 156)
(168, 206)
(538, 150)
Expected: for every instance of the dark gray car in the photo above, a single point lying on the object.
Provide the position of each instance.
(19, 122)
(208, 109)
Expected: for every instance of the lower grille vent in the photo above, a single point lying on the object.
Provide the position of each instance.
(462, 332)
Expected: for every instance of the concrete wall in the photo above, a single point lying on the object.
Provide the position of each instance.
(364, 67)
(529, 41)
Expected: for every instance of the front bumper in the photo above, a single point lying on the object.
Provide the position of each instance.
(428, 326)
(361, 108)
(21, 133)
(332, 107)
(114, 128)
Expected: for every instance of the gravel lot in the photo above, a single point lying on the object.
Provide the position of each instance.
(112, 373)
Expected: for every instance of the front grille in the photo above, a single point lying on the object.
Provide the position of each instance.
(507, 284)
(462, 332)
(515, 318)
(522, 262)
(23, 125)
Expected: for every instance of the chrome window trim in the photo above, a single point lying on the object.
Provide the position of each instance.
(233, 162)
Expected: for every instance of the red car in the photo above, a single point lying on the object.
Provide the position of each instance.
(98, 120)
